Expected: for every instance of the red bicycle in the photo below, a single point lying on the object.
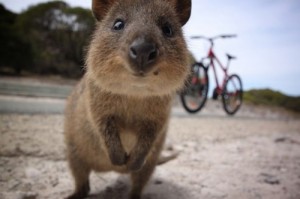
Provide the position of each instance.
(194, 96)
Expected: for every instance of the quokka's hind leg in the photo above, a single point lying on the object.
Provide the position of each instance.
(80, 172)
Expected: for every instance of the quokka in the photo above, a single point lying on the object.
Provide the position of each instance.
(116, 118)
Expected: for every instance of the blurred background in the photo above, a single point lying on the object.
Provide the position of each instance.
(49, 38)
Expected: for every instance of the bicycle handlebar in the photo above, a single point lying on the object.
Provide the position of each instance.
(215, 37)
(211, 39)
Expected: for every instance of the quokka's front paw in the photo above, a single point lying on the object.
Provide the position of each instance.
(118, 158)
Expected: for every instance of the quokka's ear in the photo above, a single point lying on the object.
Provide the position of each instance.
(101, 7)
(183, 9)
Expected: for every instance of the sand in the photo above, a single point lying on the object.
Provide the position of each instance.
(253, 155)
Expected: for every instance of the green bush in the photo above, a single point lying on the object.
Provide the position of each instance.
(51, 35)
(272, 98)
(15, 52)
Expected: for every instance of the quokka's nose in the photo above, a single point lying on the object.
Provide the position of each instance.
(142, 54)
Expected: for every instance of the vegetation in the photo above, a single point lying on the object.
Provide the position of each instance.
(48, 38)
(272, 98)
(15, 51)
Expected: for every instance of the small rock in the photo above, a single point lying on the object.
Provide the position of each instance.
(270, 179)
(285, 139)
(282, 139)
(157, 182)
(29, 195)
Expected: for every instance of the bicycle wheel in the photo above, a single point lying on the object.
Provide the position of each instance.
(194, 96)
(232, 96)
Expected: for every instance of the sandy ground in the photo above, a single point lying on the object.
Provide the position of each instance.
(253, 155)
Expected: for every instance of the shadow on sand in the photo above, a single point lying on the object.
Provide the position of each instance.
(155, 189)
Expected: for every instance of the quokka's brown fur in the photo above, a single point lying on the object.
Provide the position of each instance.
(117, 116)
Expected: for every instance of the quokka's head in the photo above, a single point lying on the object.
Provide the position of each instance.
(138, 48)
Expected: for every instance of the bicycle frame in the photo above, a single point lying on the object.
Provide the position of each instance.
(212, 57)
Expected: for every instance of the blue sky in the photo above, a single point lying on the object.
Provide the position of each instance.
(267, 46)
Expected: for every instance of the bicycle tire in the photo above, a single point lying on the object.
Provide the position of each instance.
(232, 96)
(196, 90)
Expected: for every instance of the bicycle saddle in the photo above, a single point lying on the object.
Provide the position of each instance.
(230, 56)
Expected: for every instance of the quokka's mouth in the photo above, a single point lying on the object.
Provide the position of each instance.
(139, 74)
(143, 74)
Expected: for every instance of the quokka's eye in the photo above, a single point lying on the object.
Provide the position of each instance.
(167, 30)
(119, 24)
